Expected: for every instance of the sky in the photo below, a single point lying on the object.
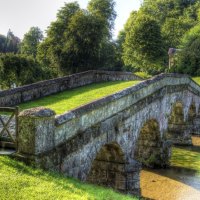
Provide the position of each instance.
(20, 15)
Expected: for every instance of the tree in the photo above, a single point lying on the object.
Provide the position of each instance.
(104, 9)
(31, 41)
(82, 41)
(12, 43)
(20, 70)
(188, 60)
(174, 29)
(50, 50)
(76, 39)
(143, 44)
(2, 43)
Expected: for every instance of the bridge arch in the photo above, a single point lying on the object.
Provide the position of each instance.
(192, 114)
(111, 169)
(179, 126)
(150, 149)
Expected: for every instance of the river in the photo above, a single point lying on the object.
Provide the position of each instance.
(180, 182)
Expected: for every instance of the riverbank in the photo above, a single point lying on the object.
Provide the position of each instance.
(181, 181)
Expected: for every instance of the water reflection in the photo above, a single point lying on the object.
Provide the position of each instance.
(180, 182)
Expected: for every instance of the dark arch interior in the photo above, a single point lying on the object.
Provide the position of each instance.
(149, 145)
(177, 115)
(179, 131)
(108, 168)
(193, 120)
(192, 113)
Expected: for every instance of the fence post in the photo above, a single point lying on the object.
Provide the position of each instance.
(16, 125)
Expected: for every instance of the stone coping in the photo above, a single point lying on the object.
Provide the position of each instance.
(77, 112)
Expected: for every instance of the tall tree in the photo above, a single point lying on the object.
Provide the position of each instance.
(143, 44)
(105, 9)
(2, 43)
(12, 43)
(75, 40)
(31, 41)
(188, 60)
(50, 50)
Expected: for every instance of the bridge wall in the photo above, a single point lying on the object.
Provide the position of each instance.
(44, 88)
(70, 143)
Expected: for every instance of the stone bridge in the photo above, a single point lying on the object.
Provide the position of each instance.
(107, 141)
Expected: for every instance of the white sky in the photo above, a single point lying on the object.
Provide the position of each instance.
(20, 15)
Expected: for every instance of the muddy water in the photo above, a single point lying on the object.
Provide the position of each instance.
(180, 182)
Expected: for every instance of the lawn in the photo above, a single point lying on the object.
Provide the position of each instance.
(196, 79)
(18, 181)
(70, 99)
(186, 158)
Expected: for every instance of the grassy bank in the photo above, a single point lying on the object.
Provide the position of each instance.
(196, 79)
(71, 99)
(187, 157)
(18, 181)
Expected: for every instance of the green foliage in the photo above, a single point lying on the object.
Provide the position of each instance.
(19, 70)
(143, 75)
(143, 44)
(104, 10)
(19, 181)
(2, 43)
(186, 158)
(189, 58)
(31, 41)
(9, 43)
(173, 17)
(196, 79)
(71, 99)
(78, 39)
(83, 39)
(12, 43)
(173, 30)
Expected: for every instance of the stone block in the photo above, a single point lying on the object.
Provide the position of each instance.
(36, 131)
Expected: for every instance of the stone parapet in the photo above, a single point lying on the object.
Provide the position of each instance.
(41, 89)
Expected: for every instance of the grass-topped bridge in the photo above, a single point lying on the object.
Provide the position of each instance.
(118, 127)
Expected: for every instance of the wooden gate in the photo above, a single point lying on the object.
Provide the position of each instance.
(8, 127)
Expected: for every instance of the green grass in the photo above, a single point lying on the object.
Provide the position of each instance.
(20, 182)
(71, 99)
(196, 79)
(186, 158)
(143, 75)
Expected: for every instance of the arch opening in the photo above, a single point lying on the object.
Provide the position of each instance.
(194, 120)
(150, 150)
(196, 123)
(192, 113)
(110, 169)
(179, 130)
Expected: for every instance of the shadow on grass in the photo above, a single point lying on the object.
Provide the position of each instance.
(193, 148)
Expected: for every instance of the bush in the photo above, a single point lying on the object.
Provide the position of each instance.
(188, 61)
(143, 75)
(19, 70)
